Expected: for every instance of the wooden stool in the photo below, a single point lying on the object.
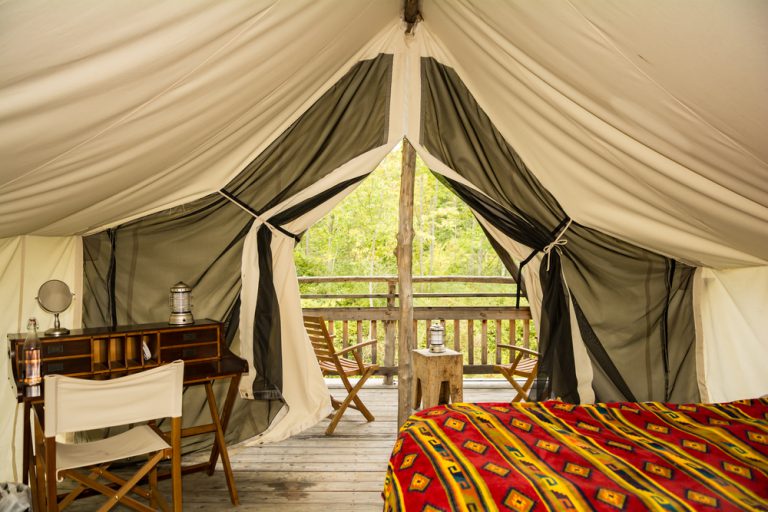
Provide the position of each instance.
(437, 377)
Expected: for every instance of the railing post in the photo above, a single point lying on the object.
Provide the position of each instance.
(498, 340)
(527, 333)
(456, 336)
(471, 341)
(390, 333)
(373, 333)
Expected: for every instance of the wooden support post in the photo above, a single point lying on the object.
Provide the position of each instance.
(406, 342)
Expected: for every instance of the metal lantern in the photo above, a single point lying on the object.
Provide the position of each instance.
(436, 338)
(181, 305)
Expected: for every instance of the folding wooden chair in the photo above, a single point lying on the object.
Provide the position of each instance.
(332, 363)
(519, 367)
(73, 405)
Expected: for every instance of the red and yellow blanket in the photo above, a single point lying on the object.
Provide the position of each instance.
(557, 456)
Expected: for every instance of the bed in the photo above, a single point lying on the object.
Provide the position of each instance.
(557, 456)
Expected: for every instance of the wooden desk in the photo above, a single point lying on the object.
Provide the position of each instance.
(106, 353)
(438, 377)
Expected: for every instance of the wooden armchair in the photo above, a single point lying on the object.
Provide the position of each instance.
(519, 367)
(333, 363)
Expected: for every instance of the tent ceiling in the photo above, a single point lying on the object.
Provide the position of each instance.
(98, 124)
(627, 111)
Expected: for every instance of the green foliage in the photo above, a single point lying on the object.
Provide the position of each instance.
(359, 236)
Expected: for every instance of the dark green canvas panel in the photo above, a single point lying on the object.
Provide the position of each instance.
(198, 243)
(97, 271)
(348, 120)
(634, 307)
(622, 291)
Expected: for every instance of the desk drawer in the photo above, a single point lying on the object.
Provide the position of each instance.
(187, 337)
(69, 347)
(66, 366)
(190, 353)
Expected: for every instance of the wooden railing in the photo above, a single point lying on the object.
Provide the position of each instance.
(476, 331)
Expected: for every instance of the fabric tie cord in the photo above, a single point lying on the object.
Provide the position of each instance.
(556, 243)
(560, 229)
(256, 215)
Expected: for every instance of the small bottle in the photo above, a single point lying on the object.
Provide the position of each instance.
(31, 353)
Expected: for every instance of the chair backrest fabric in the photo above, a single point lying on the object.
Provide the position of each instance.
(73, 404)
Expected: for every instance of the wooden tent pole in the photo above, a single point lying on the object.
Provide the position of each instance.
(405, 340)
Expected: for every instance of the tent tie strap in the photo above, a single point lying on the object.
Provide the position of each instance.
(560, 230)
(556, 243)
(259, 218)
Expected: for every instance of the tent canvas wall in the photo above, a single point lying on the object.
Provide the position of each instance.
(619, 145)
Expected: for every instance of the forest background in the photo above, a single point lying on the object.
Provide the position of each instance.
(358, 238)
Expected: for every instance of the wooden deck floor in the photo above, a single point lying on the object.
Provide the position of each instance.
(313, 472)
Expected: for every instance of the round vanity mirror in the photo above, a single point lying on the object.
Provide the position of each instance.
(55, 297)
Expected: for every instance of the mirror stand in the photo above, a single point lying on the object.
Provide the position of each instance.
(57, 329)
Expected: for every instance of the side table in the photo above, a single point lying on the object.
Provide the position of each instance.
(438, 378)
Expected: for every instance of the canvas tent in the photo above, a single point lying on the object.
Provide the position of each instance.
(618, 147)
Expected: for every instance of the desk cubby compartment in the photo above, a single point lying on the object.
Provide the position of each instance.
(66, 348)
(133, 352)
(191, 352)
(117, 353)
(100, 354)
(189, 336)
(149, 349)
(68, 366)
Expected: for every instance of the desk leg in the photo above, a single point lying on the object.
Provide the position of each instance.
(26, 462)
(36, 470)
(229, 402)
(220, 441)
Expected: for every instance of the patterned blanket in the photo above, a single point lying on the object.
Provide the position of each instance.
(557, 456)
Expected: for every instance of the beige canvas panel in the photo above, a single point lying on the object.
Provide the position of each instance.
(26, 262)
(733, 340)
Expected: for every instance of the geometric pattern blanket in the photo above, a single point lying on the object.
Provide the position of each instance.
(557, 456)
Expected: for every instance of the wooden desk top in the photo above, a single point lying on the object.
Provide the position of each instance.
(119, 329)
(427, 353)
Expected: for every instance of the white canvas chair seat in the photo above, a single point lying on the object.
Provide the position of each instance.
(74, 405)
(137, 441)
